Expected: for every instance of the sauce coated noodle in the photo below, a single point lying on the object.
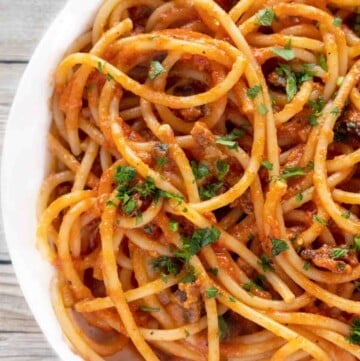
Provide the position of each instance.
(203, 197)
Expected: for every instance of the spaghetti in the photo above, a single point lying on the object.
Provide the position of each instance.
(203, 195)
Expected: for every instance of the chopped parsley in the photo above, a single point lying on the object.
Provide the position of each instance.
(156, 69)
(336, 111)
(323, 63)
(316, 106)
(100, 66)
(293, 80)
(356, 24)
(307, 265)
(354, 334)
(310, 165)
(139, 217)
(199, 239)
(278, 246)
(267, 165)
(291, 83)
(357, 285)
(213, 271)
(337, 21)
(230, 139)
(149, 309)
(191, 245)
(209, 191)
(319, 220)
(163, 147)
(211, 292)
(169, 195)
(128, 204)
(110, 203)
(265, 17)
(253, 91)
(262, 109)
(346, 214)
(357, 243)
(200, 170)
(148, 229)
(313, 120)
(266, 263)
(173, 225)
(166, 265)
(124, 175)
(290, 172)
(299, 197)
(187, 333)
(231, 299)
(224, 330)
(339, 253)
(285, 53)
(222, 168)
(109, 77)
(162, 161)
(190, 276)
(256, 283)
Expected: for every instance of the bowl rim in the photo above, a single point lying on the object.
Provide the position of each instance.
(27, 124)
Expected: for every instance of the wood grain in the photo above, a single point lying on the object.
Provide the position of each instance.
(22, 24)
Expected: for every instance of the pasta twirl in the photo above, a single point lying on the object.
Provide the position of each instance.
(202, 201)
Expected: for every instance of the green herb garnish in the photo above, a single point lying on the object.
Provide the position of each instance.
(222, 168)
(266, 17)
(292, 172)
(210, 191)
(357, 243)
(173, 225)
(253, 91)
(266, 263)
(224, 330)
(319, 220)
(267, 165)
(299, 197)
(337, 21)
(230, 139)
(156, 69)
(278, 246)
(339, 253)
(200, 170)
(211, 292)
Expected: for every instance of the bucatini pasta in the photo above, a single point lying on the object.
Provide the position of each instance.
(203, 197)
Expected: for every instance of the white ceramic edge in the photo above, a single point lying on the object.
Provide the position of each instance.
(23, 166)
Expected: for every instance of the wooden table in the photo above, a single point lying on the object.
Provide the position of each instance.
(22, 23)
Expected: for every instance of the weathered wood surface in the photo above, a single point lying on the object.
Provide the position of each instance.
(22, 23)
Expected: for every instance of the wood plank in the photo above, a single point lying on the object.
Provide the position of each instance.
(20, 337)
(10, 75)
(14, 312)
(22, 24)
(4, 255)
(24, 347)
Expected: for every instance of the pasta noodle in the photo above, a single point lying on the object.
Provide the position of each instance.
(202, 201)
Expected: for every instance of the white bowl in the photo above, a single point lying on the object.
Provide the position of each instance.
(24, 162)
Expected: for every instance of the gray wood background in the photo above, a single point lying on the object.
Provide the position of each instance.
(22, 24)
